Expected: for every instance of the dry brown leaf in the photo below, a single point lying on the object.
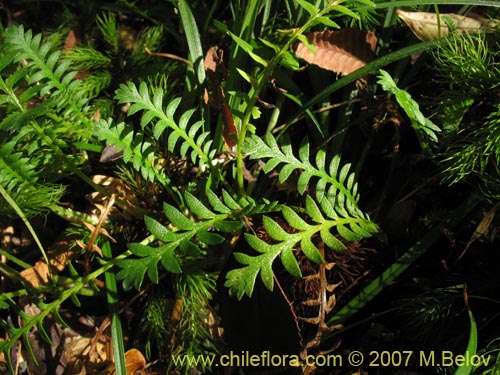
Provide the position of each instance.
(122, 192)
(59, 254)
(425, 25)
(83, 357)
(482, 229)
(135, 364)
(71, 41)
(215, 96)
(341, 51)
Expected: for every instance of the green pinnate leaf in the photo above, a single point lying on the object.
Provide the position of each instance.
(241, 281)
(132, 272)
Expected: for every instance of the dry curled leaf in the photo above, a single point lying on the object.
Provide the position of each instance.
(117, 187)
(426, 27)
(135, 364)
(59, 255)
(341, 51)
(215, 95)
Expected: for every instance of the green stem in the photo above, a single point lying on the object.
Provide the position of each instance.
(255, 92)
(23, 217)
(114, 311)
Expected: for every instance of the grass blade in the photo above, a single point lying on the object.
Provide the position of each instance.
(114, 312)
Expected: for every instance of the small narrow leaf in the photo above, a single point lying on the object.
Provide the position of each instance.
(285, 172)
(313, 210)
(172, 107)
(216, 203)
(320, 159)
(274, 229)
(168, 259)
(303, 181)
(271, 165)
(348, 234)
(209, 238)
(330, 240)
(177, 218)
(159, 127)
(140, 249)
(158, 230)
(198, 208)
(294, 220)
(311, 251)
(310, 8)
(257, 244)
(229, 201)
(267, 275)
(290, 263)
(228, 226)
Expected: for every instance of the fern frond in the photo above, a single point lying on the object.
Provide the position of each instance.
(19, 178)
(242, 281)
(108, 26)
(96, 82)
(191, 135)
(475, 152)
(135, 149)
(150, 37)
(185, 239)
(192, 336)
(48, 76)
(29, 322)
(86, 58)
(334, 183)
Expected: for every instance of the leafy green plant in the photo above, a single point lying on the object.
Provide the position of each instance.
(195, 222)
(472, 148)
(426, 130)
